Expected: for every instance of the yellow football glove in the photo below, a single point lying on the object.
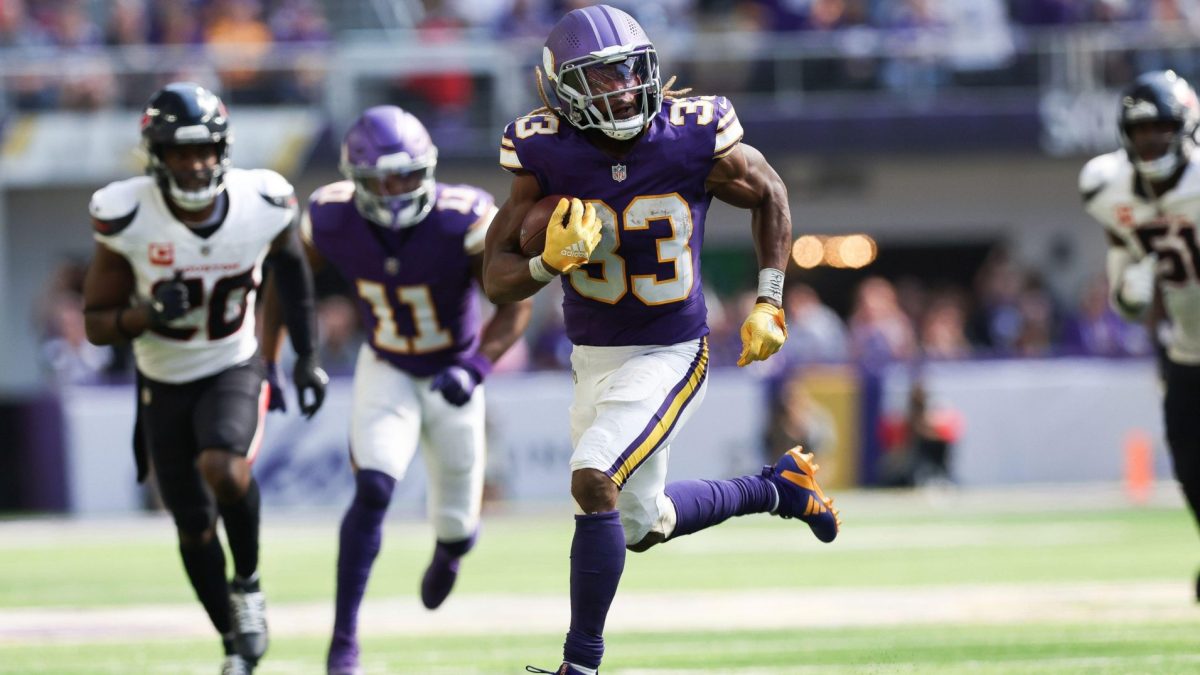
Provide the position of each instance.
(763, 333)
(570, 246)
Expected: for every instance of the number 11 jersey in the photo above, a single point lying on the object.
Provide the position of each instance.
(416, 290)
(222, 271)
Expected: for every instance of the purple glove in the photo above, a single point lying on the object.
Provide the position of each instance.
(275, 385)
(458, 382)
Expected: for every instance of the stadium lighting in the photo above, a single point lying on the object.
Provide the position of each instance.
(808, 251)
(857, 250)
(853, 251)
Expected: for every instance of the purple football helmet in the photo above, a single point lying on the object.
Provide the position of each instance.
(390, 157)
(604, 71)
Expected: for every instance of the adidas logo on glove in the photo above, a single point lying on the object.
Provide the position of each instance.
(576, 250)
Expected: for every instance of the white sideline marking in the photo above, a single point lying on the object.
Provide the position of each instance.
(1114, 603)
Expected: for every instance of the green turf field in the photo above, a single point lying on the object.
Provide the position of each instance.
(1010, 583)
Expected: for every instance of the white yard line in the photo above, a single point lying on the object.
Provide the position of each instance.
(1115, 603)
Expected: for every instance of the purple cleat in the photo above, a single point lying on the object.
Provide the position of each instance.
(439, 578)
(795, 479)
(343, 656)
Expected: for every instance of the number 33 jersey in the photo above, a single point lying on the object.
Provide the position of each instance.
(222, 272)
(642, 286)
(1165, 228)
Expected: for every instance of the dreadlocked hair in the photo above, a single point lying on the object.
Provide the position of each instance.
(668, 92)
(540, 81)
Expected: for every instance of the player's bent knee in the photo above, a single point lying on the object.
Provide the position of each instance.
(196, 525)
(373, 489)
(593, 491)
(226, 473)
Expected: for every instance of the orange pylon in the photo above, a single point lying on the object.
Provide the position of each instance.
(1139, 466)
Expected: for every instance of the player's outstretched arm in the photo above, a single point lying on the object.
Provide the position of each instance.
(107, 288)
(505, 326)
(457, 382)
(293, 276)
(273, 329)
(271, 342)
(506, 273)
(745, 179)
(1131, 282)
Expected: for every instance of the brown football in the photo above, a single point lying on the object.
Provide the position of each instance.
(533, 228)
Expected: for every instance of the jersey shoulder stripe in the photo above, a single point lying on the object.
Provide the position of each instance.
(267, 182)
(112, 226)
(729, 129)
(280, 201)
(114, 207)
(1100, 173)
(508, 155)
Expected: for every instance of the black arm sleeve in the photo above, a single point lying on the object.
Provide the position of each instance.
(294, 280)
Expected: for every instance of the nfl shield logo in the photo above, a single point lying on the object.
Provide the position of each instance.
(618, 172)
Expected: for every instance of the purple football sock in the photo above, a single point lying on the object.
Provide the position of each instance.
(597, 560)
(361, 537)
(704, 503)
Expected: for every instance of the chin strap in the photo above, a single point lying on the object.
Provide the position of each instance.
(195, 200)
(1158, 169)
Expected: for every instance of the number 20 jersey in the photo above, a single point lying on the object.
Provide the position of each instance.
(222, 272)
(1166, 228)
(642, 286)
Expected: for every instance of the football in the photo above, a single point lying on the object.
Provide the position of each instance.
(533, 228)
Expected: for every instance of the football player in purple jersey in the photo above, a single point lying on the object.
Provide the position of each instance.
(642, 164)
(413, 250)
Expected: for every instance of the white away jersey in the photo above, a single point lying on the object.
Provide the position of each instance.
(222, 272)
(1165, 227)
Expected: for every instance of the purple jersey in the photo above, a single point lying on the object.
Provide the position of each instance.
(415, 287)
(643, 284)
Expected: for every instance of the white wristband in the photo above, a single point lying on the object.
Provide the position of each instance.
(770, 284)
(538, 271)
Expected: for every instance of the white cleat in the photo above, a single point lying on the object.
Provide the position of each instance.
(249, 606)
(234, 664)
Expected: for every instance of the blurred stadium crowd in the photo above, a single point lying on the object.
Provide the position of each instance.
(95, 55)
(270, 48)
(1008, 313)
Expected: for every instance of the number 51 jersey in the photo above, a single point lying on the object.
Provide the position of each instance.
(1165, 228)
(642, 286)
(222, 272)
